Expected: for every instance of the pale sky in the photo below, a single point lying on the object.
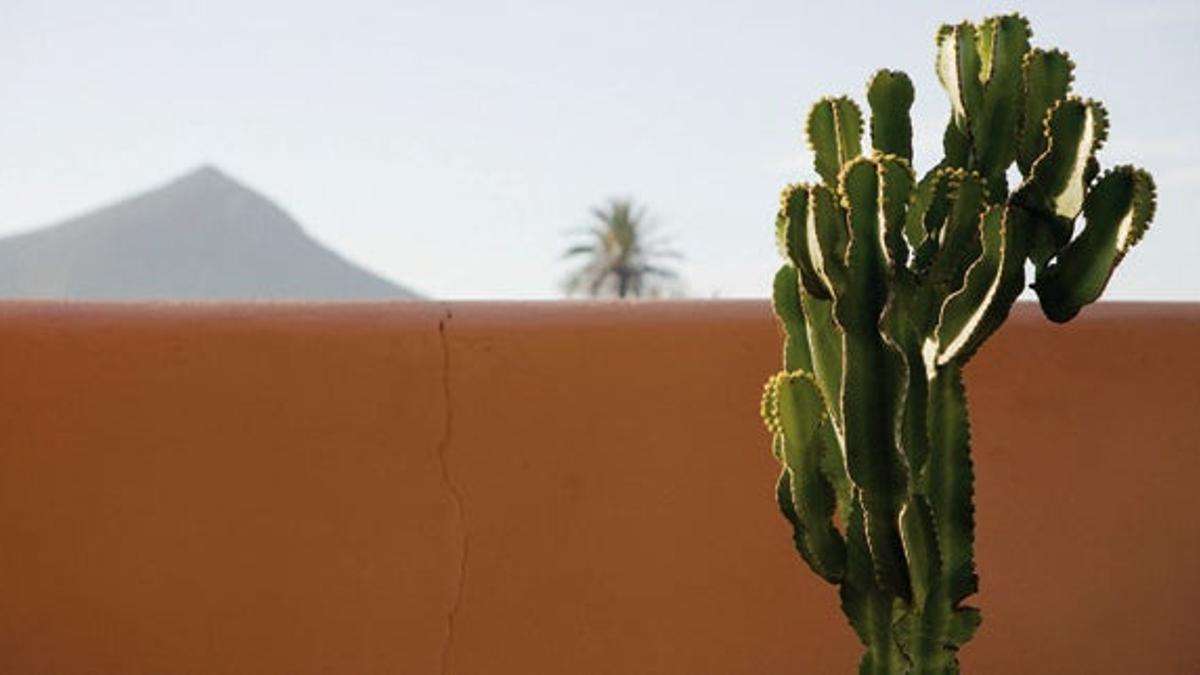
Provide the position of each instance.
(451, 146)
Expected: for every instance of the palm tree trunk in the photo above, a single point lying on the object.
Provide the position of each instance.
(622, 284)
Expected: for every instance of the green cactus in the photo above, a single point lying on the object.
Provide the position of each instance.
(891, 285)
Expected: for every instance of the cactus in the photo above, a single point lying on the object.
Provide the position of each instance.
(892, 283)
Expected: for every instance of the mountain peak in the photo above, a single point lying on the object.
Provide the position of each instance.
(203, 235)
(206, 172)
(207, 177)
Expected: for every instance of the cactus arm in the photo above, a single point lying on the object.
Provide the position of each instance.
(786, 233)
(870, 609)
(834, 130)
(930, 636)
(1047, 78)
(783, 498)
(930, 205)
(801, 413)
(992, 285)
(958, 68)
(939, 522)
(958, 238)
(823, 358)
(920, 540)
(1075, 129)
(921, 632)
(860, 584)
(906, 321)
(900, 322)
(956, 146)
(794, 242)
(782, 245)
(985, 46)
(949, 483)
(828, 237)
(833, 467)
(890, 94)
(869, 378)
(787, 308)
(825, 344)
(1118, 211)
(914, 439)
(896, 184)
(1002, 45)
(963, 311)
(961, 626)
(915, 231)
(816, 347)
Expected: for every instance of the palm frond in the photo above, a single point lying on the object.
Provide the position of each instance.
(622, 254)
(579, 249)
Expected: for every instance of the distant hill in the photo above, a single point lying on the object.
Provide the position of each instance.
(203, 236)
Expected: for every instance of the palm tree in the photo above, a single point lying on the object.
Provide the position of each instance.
(622, 255)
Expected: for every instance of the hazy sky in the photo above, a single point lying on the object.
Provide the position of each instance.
(452, 145)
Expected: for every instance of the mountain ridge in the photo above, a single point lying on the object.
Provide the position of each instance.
(200, 236)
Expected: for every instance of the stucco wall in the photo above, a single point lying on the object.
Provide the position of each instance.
(546, 488)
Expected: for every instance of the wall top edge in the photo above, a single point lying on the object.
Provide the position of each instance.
(552, 312)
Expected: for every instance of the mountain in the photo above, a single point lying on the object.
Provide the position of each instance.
(203, 236)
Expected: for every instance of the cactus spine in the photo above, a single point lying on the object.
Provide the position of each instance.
(891, 284)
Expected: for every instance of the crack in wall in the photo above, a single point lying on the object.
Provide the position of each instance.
(452, 488)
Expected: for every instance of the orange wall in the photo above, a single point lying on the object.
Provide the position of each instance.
(546, 488)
